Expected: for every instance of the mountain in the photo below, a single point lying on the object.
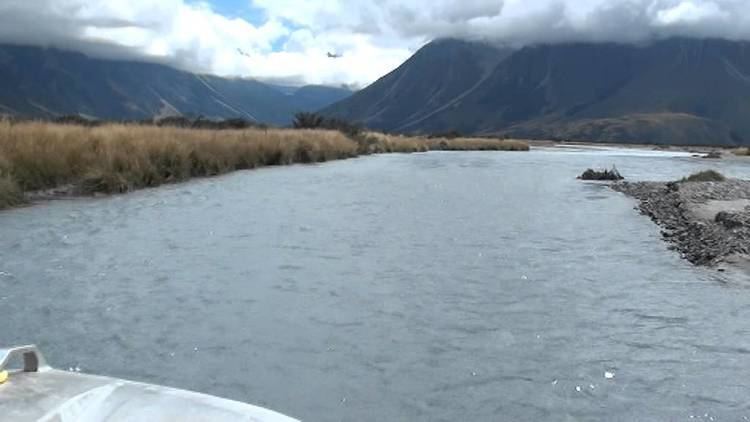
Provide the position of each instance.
(49, 82)
(433, 79)
(674, 91)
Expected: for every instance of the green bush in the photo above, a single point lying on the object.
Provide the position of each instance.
(305, 120)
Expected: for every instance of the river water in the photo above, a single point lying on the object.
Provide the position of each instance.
(426, 287)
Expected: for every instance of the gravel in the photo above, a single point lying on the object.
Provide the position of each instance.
(680, 209)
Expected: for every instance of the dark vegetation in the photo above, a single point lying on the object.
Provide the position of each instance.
(705, 176)
(591, 174)
(306, 120)
(451, 134)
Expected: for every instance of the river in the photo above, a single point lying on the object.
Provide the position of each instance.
(475, 286)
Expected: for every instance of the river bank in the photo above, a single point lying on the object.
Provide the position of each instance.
(708, 152)
(707, 222)
(46, 160)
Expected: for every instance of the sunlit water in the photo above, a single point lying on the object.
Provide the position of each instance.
(428, 287)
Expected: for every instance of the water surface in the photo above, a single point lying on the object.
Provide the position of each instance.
(427, 287)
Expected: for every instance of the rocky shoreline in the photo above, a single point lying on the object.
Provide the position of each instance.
(708, 223)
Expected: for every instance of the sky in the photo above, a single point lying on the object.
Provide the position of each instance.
(287, 41)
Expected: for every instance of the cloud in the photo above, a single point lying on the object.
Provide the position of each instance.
(521, 22)
(194, 37)
(290, 40)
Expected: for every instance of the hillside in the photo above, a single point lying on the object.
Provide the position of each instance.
(678, 91)
(435, 77)
(49, 82)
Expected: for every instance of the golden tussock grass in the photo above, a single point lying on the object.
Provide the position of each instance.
(399, 143)
(478, 144)
(744, 151)
(382, 143)
(119, 158)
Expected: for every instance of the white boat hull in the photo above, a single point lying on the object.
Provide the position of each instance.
(49, 395)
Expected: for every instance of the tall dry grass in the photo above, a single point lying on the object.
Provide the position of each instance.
(120, 158)
(399, 143)
(477, 144)
(378, 143)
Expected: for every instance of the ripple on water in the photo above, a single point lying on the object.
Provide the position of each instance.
(461, 286)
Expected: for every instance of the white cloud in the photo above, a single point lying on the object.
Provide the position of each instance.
(691, 12)
(194, 37)
(374, 36)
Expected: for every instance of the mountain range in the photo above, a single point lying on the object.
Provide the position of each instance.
(48, 82)
(672, 91)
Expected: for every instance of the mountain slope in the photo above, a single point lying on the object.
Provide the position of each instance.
(434, 77)
(685, 91)
(49, 82)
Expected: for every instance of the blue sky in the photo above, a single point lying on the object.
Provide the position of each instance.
(240, 8)
(244, 9)
(257, 16)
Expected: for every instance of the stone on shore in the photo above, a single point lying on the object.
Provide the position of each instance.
(708, 223)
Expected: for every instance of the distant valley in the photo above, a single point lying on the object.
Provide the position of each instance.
(47, 83)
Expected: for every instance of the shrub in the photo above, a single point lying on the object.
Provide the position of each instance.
(305, 120)
(591, 174)
(705, 176)
(75, 119)
(203, 123)
(347, 128)
(451, 134)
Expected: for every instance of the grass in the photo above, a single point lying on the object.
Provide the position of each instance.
(120, 158)
(705, 176)
(399, 143)
(117, 158)
(743, 152)
(10, 194)
(378, 143)
(477, 144)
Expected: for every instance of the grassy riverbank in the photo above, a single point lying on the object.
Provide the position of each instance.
(396, 143)
(121, 158)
